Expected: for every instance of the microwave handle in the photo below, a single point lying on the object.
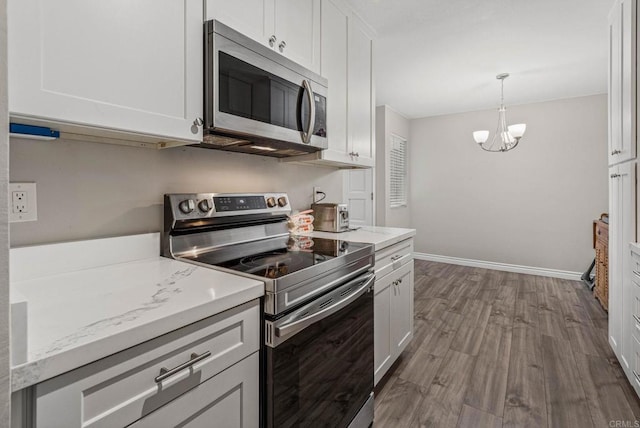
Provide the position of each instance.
(311, 123)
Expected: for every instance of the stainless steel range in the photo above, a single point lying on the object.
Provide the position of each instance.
(318, 305)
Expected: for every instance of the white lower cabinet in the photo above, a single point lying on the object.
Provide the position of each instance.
(213, 375)
(229, 400)
(393, 305)
(622, 231)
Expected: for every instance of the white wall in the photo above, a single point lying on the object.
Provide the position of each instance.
(5, 383)
(89, 190)
(389, 122)
(532, 206)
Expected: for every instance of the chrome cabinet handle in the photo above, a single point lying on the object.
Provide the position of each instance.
(614, 175)
(198, 121)
(396, 257)
(354, 154)
(636, 376)
(635, 317)
(306, 135)
(282, 45)
(272, 40)
(165, 372)
(615, 152)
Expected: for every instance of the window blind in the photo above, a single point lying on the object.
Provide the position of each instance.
(398, 172)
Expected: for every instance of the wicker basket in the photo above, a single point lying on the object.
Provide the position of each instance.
(601, 244)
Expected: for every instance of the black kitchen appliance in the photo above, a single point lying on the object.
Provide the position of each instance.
(318, 305)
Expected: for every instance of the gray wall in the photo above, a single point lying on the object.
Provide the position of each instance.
(89, 190)
(532, 206)
(388, 122)
(5, 383)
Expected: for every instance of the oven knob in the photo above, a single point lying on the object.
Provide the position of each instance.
(187, 206)
(271, 202)
(282, 201)
(205, 205)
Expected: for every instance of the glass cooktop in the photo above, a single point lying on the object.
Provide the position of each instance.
(276, 257)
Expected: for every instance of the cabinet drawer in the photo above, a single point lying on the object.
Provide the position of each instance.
(228, 400)
(391, 258)
(122, 388)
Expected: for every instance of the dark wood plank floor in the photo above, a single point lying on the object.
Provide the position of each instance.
(500, 349)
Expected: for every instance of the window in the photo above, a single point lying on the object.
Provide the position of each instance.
(398, 172)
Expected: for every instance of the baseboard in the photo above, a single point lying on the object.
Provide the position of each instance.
(529, 270)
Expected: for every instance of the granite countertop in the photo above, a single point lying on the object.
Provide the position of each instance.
(90, 299)
(380, 237)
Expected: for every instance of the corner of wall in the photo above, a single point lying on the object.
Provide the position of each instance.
(5, 380)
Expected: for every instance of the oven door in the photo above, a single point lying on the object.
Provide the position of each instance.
(251, 90)
(319, 364)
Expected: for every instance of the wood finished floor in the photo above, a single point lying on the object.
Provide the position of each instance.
(500, 349)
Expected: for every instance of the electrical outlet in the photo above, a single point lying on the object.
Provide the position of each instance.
(23, 202)
(317, 194)
(19, 202)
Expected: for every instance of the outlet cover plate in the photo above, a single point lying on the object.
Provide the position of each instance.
(30, 210)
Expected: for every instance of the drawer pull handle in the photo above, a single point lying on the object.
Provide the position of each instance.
(636, 273)
(165, 372)
(396, 257)
(635, 317)
(636, 376)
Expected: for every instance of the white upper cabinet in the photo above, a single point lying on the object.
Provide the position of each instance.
(334, 68)
(360, 94)
(290, 27)
(622, 81)
(346, 62)
(123, 65)
(253, 18)
(297, 27)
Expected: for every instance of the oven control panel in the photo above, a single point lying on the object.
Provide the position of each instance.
(239, 203)
(193, 206)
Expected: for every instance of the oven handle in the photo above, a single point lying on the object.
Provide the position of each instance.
(299, 324)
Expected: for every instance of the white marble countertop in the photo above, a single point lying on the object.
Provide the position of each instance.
(380, 237)
(90, 299)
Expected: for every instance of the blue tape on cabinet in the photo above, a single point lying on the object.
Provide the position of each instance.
(30, 131)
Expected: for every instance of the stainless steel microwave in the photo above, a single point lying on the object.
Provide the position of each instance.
(257, 101)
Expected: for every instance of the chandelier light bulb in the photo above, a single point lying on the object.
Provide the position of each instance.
(481, 136)
(517, 130)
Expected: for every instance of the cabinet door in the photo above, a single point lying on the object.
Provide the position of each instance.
(297, 27)
(622, 81)
(615, 81)
(360, 95)
(622, 231)
(228, 400)
(381, 328)
(133, 66)
(253, 18)
(627, 230)
(333, 66)
(402, 309)
(615, 261)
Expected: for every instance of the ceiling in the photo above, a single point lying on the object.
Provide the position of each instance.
(435, 57)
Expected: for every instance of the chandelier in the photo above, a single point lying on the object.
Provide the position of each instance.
(506, 137)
